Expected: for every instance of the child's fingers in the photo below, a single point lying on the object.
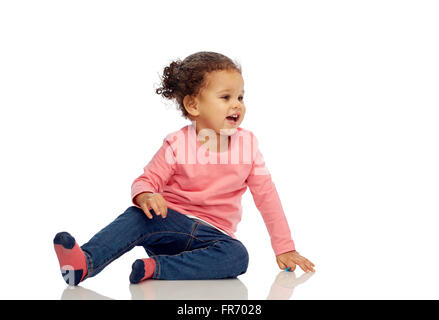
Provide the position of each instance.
(306, 267)
(308, 262)
(305, 264)
(164, 211)
(281, 265)
(145, 209)
(291, 267)
(156, 208)
(310, 265)
(303, 267)
(163, 207)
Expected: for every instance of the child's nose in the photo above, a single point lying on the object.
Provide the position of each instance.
(236, 103)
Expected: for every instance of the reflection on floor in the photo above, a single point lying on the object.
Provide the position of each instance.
(224, 289)
(284, 284)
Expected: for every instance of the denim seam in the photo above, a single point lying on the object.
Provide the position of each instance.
(174, 255)
(90, 261)
(132, 244)
(192, 236)
(157, 271)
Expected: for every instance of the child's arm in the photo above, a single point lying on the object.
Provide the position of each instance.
(269, 205)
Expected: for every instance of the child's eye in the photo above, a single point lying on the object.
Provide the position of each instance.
(227, 97)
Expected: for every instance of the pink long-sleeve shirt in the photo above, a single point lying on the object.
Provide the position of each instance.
(209, 185)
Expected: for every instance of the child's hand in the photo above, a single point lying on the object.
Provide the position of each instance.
(155, 201)
(291, 258)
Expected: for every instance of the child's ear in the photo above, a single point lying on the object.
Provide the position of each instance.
(191, 105)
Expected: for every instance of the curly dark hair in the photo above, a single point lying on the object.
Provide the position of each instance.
(187, 77)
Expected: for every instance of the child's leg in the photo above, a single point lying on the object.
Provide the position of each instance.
(210, 255)
(128, 230)
(221, 259)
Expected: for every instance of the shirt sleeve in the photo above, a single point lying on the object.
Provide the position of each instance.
(156, 173)
(268, 203)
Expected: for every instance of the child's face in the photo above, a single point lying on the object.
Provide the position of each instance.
(222, 97)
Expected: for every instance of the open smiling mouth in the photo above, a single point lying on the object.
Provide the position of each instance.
(233, 118)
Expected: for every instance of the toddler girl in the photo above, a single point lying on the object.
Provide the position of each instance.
(187, 203)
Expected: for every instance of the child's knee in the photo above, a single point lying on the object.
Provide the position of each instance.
(240, 258)
(244, 258)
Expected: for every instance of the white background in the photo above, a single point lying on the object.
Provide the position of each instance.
(342, 95)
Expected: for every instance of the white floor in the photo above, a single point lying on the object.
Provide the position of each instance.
(282, 288)
(350, 275)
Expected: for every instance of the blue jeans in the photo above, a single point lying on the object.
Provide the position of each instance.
(182, 248)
